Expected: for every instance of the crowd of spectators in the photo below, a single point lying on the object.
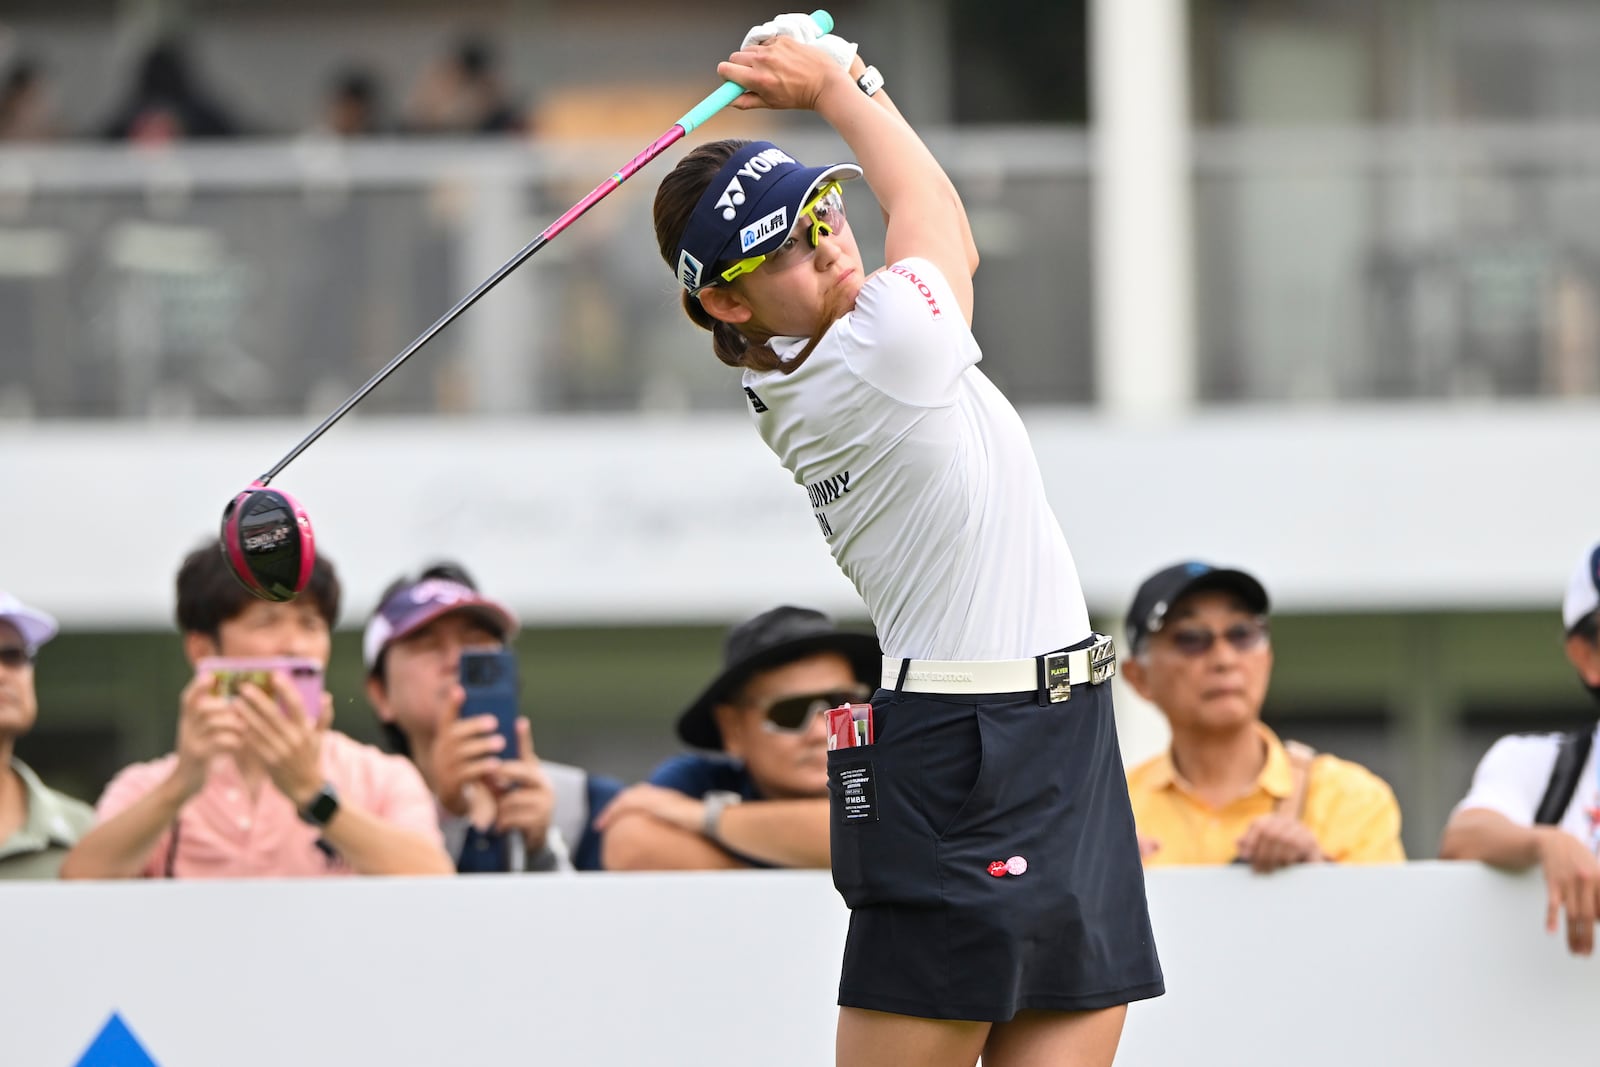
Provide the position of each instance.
(261, 785)
(166, 98)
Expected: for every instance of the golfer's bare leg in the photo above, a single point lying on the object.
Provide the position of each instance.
(880, 1039)
(1056, 1039)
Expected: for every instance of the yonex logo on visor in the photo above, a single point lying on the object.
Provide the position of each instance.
(733, 194)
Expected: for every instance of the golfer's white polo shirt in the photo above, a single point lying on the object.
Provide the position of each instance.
(921, 477)
(1512, 778)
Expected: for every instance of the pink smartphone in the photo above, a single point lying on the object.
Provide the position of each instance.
(304, 674)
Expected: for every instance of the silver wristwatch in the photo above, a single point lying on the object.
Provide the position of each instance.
(716, 802)
(870, 81)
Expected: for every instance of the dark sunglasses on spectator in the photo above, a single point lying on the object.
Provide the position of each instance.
(1197, 641)
(14, 657)
(793, 715)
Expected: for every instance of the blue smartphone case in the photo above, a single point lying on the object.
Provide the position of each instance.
(490, 679)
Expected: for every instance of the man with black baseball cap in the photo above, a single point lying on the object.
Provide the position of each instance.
(1228, 790)
(761, 716)
(1535, 798)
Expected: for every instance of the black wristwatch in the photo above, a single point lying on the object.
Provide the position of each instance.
(322, 807)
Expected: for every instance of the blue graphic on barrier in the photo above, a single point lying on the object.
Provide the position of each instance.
(115, 1046)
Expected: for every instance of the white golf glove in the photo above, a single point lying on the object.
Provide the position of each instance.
(802, 29)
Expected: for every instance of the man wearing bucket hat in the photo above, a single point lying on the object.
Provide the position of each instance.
(1535, 798)
(762, 798)
(37, 824)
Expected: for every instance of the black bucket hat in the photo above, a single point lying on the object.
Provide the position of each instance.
(772, 639)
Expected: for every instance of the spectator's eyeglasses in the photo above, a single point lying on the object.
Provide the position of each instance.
(793, 715)
(1243, 636)
(823, 215)
(14, 657)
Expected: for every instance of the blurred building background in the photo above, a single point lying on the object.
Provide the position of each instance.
(1303, 286)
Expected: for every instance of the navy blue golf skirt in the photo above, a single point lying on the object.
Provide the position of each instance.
(986, 849)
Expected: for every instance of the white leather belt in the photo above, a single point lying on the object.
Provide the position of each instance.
(1062, 671)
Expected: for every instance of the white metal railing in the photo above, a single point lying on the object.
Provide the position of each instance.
(271, 277)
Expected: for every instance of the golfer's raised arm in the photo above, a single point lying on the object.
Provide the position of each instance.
(924, 213)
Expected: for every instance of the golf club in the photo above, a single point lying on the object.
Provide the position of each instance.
(266, 535)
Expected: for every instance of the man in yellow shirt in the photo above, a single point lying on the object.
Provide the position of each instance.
(1227, 790)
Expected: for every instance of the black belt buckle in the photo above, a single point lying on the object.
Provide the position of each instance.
(1058, 676)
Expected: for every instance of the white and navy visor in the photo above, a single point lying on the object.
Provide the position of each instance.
(749, 209)
(412, 607)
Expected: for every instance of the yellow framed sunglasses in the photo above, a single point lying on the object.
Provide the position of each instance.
(823, 214)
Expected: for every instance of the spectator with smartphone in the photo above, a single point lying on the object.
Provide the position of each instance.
(259, 785)
(501, 807)
(37, 824)
(1228, 790)
(1535, 798)
(758, 797)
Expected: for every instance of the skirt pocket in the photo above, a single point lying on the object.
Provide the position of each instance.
(891, 802)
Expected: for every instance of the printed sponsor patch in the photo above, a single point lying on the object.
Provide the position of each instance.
(689, 270)
(922, 288)
(761, 229)
(858, 795)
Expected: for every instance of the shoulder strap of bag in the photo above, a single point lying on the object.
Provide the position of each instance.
(1300, 757)
(1572, 754)
(570, 785)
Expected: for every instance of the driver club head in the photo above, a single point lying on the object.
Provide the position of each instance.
(267, 542)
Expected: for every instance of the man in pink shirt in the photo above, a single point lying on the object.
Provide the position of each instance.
(255, 790)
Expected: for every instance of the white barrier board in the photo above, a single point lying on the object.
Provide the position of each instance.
(610, 519)
(1426, 964)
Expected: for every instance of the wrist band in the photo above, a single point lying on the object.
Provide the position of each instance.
(870, 81)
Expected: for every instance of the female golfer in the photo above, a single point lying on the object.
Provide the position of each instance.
(983, 841)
